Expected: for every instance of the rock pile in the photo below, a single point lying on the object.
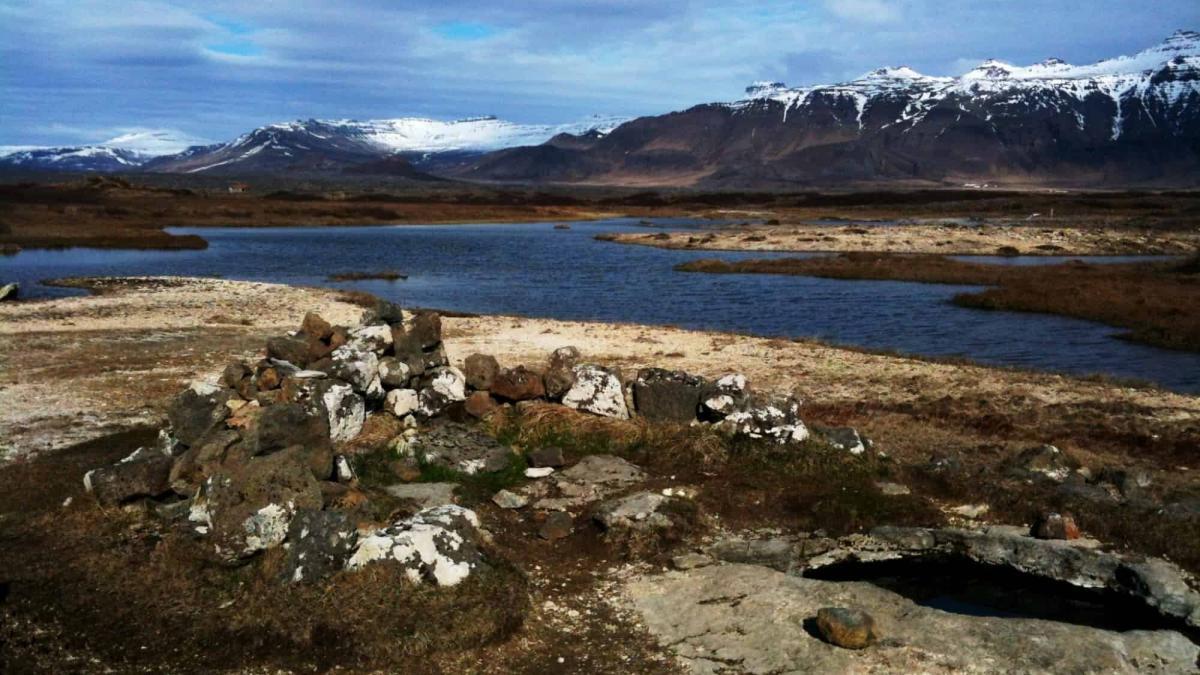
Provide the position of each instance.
(256, 460)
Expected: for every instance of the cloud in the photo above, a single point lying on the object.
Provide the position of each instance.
(868, 11)
(216, 68)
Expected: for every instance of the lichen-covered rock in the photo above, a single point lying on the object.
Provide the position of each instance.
(343, 410)
(394, 373)
(246, 508)
(319, 544)
(144, 473)
(401, 402)
(437, 545)
(376, 338)
(358, 367)
(1044, 462)
(518, 384)
(461, 448)
(564, 357)
(446, 385)
(557, 382)
(197, 409)
(667, 396)
(597, 390)
(590, 479)
(481, 370)
(778, 422)
(727, 395)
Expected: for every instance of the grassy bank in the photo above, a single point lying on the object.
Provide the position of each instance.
(1157, 302)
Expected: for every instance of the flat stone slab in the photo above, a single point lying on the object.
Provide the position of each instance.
(426, 495)
(750, 619)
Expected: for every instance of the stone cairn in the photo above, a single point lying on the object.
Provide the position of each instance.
(253, 463)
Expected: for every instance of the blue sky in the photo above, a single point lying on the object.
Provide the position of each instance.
(76, 71)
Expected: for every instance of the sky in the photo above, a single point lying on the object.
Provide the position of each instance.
(83, 71)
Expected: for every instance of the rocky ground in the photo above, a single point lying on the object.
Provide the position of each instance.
(957, 236)
(577, 512)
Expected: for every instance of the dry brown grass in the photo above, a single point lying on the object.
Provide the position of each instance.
(1157, 301)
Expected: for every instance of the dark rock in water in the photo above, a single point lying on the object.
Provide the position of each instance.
(667, 396)
(145, 473)
(320, 543)
(558, 525)
(1055, 525)
(844, 627)
(481, 370)
(287, 424)
(518, 384)
(290, 348)
(549, 456)
(247, 508)
(316, 327)
(197, 409)
(9, 291)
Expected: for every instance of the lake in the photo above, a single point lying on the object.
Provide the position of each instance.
(536, 270)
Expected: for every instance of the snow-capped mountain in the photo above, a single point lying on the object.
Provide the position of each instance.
(125, 152)
(304, 145)
(330, 145)
(1122, 120)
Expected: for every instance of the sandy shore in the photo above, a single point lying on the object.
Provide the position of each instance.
(950, 238)
(71, 368)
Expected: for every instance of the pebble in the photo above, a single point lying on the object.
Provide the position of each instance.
(540, 472)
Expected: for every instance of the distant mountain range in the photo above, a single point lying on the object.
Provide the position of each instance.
(1127, 120)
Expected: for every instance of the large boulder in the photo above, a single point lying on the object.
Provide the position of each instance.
(518, 384)
(437, 545)
(597, 390)
(198, 409)
(481, 370)
(667, 396)
(248, 507)
(319, 544)
(145, 473)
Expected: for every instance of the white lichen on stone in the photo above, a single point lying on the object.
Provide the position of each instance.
(424, 544)
(267, 528)
(347, 412)
(597, 391)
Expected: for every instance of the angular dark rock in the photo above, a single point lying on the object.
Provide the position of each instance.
(319, 544)
(481, 370)
(518, 384)
(145, 473)
(548, 456)
(290, 348)
(667, 396)
(197, 409)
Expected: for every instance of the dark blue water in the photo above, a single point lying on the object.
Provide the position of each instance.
(535, 270)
